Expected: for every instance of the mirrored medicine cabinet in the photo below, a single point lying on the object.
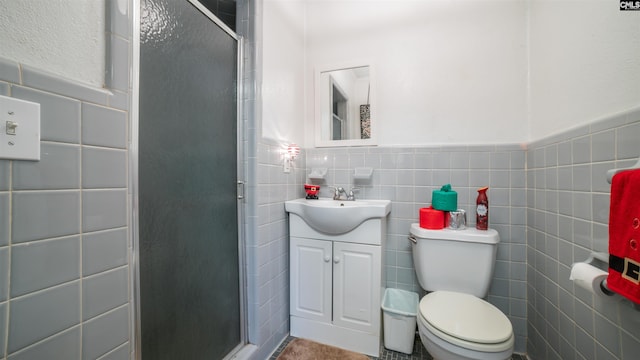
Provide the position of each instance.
(343, 106)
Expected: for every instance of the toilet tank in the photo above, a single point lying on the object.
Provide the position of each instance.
(454, 260)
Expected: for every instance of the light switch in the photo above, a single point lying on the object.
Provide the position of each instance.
(19, 129)
(11, 127)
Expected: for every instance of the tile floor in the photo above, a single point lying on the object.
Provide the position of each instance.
(419, 352)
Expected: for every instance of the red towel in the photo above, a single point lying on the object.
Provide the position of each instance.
(624, 235)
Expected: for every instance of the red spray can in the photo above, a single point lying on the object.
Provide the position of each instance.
(482, 209)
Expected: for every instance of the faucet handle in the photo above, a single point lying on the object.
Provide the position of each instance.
(352, 195)
(336, 192)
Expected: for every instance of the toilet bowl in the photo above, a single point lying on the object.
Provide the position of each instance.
(458, 326)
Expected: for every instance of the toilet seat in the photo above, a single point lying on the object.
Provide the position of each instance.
(466, 321)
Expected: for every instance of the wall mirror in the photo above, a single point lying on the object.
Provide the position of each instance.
(343, 106)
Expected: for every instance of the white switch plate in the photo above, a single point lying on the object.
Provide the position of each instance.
(25, 144)
(286, 165)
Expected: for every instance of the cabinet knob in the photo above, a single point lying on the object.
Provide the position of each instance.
(336, 259)
(327, 258)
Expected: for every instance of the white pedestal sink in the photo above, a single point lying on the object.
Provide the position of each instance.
(336, 217)
(336, 279)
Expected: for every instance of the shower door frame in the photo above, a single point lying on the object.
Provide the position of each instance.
(134, 236)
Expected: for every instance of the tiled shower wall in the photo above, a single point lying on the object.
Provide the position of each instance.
(408, 175)
(64, 265)
(568, 214)
(268, 243)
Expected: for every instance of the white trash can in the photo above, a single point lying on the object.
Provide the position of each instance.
(399, 317)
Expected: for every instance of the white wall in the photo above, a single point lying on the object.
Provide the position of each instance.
(283, 68)
(447, 72)
(462, 72)
(585, 63)
(64, 37)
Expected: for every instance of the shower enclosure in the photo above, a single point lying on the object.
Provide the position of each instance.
(187, 233)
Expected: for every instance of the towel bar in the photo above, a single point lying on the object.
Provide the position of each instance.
(612, 172)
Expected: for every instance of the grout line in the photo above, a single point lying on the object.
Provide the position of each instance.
(32, 345)
(106, 271)
(104, 356)
(81, 232)
(9, 252)
(80, 190)
(79, 144)
(68, 282)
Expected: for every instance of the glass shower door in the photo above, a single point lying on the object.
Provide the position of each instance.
(189, 277)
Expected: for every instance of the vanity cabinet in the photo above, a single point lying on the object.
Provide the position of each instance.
(336, 285)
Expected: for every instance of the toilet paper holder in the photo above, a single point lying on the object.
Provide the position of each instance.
(600, 260)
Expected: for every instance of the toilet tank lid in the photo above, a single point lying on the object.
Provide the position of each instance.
(489, 236)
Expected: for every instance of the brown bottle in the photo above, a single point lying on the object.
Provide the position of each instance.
(482, 209)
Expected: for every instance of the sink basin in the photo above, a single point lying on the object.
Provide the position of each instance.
(336, 217)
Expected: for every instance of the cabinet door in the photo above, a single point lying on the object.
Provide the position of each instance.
(310, 275)
(356, 286)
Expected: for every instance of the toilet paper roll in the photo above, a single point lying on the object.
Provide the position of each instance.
(589, 278)
(456, 220)
(431, 218)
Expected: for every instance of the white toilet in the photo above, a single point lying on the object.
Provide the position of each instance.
(454, 322)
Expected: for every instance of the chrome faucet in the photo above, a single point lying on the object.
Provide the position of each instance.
(338, 191)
